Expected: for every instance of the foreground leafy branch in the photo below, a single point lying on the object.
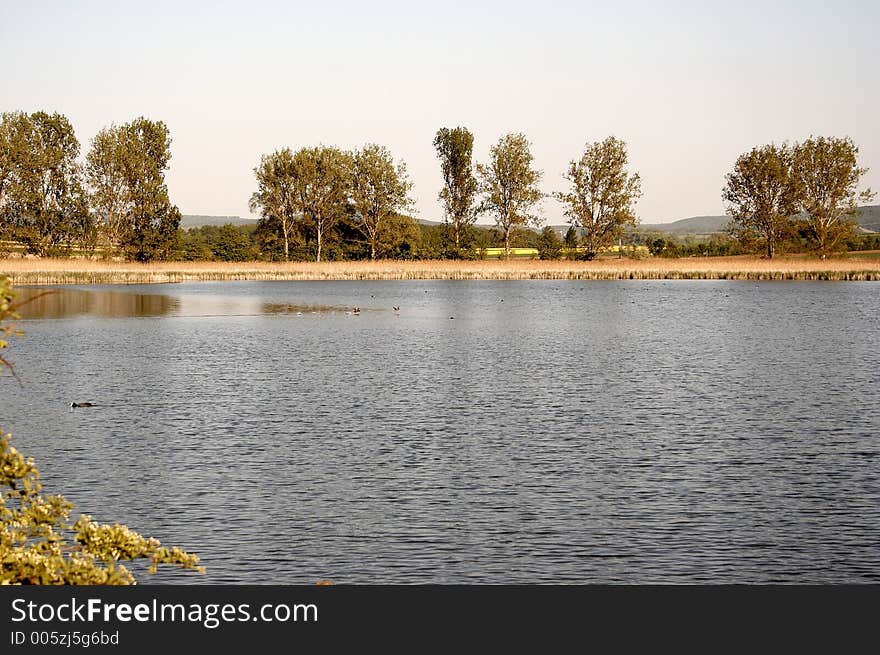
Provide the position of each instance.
(38, 542)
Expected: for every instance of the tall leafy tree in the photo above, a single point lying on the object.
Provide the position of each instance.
(601, 195)
(826, 173)
(459, 193)
(762, 196)
(126, 170)
(509, 185)
(276, 198)
(41, 182)
(106, 173)
(12, 127)
(321, 184)
(154, 220)
(379, 190)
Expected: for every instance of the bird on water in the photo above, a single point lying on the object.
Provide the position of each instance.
(72, 405)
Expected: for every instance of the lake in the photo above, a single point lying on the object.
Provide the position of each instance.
(488, 432)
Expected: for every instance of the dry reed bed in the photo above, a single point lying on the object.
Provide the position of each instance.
(69, 271)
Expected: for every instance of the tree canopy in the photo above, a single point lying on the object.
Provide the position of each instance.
(42, 201)
(459, 193)
(826, 175)
(601, 195)
(762, 196)
(379, 191)
(276, 198)
(509, 185)
(125, 168)
(309, 187)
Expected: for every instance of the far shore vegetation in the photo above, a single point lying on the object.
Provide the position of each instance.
(855, 266)
(111, 208)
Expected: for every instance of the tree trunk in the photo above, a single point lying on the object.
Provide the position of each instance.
(770, 248)
(318, 258)
(372, 249)
(507, 243)
(286, 247)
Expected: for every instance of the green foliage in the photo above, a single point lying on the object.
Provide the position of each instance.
(399, 238)
(826, 175)
(718, 245)
(40, 545)
(458, 196)
(602, 194)
(276, 198)
(225, 243)
(106, 174)
(38, 542)
(379, 191)
(509, 185)
(762, 196)
(309, 187)
(864, 242)
(657, 246)
(126, 171)
(549, 245)
(232, 244)
(321, 181)
(42, 201)
(194, 246)
(432, 241)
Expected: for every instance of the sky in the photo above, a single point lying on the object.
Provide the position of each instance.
(689, 86)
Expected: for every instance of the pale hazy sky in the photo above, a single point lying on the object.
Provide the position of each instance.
(688, 85)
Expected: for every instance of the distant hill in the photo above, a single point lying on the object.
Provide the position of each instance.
(191, 220)
(693, 225)
(868, 218)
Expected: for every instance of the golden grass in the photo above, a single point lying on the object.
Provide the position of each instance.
(80, 271)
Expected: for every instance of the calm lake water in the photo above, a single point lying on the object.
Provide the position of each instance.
(489, 432)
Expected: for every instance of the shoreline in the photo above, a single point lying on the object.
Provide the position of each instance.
(78, 271)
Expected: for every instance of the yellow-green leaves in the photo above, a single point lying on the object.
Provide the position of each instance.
(762, 196)
(509, 185)
(39, 545)
(826, 173)
(601, 195)
(379, 190)
(454, 148)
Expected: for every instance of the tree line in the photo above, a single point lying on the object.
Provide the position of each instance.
(809, 189)
(322, 202)
(117, 198)
(303, 196)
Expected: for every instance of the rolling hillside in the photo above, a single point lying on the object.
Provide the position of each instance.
(191, 220)
(868, 218)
